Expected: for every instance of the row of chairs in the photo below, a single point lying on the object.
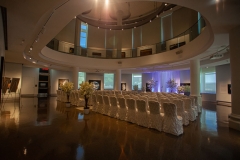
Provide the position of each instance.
(135, 111)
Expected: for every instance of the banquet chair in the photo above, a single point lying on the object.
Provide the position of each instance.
(131, 105)
(100, 103)
(94, 103)
(142, 118)
(181, 111)
(172, 122)
(155, 117)
(189, 109)
(113, 107)
(106, 105)
(163, 100)
(193, 104)
(122, 112)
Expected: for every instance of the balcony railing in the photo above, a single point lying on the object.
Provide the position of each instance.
(173, 43)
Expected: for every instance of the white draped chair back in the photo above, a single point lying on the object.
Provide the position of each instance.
(142, 118)
(198, 104)
(181, 111)
(94, 103)
(131, 105)
(106, 105)
(100, 103)
(194, 105)
(122, 112)
(189, 109)
(155, 117)
(172, 123)
(113, 107)
(163, 100)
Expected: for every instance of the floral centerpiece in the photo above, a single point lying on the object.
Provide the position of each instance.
(67, 87)
(171, 84)
(151, 84)
(180, 89)
(86, 89)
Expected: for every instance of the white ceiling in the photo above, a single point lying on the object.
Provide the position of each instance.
(27, 17)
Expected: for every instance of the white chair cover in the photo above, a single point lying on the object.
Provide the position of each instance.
(131, 116)
(181, 111)
(163, 100)
(172, 123)
(113, 107)
(189, 109)
(193, 105)
(94, 103)
(100, 103)
(155, 117)
(106, 105)
(122, 112)
(142, 118)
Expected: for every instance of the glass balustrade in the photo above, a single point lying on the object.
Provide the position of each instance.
(173, 43)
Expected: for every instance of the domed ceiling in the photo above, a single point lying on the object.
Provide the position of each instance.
(117, 15)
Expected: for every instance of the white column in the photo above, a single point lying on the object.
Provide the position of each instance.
(75, 77)
(234, 117)
(118, 80)
(195, 80)
(77, 36)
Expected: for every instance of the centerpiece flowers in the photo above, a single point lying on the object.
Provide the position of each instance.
(180, 89)
(86, 89)
(67, 87)
(171, 84)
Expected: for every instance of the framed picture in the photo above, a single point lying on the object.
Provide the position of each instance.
(96, 84)
(14, 84)
(148, 87)
(123, 86)
(6, 84)
(229, 89)
(61, 82)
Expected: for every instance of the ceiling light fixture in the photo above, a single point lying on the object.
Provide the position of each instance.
(31, 48)
(150, 20)
(165, 4)
(98, 27)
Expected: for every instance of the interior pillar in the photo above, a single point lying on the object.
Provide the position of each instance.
(195, 80)
(75, 78)
(234, 117)
(118, 80)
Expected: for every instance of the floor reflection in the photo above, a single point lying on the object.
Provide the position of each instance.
(47, 129)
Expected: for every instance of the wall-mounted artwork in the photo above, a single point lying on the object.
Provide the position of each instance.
(96, 84)
(184, 84)
(173, 46)
(148, 87)
(123, 86)
(61, 82)
(14, 84)
(146, 52)
(6, 84)
(229, 89)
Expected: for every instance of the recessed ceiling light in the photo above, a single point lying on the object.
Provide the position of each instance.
(170, 8)
(165, 4)
(110, 29)
(122, 29)
(150, 20)
(30, 58)
(98, 27)
(31, 48)
(134, 27)
(135, 22)
(157, 15)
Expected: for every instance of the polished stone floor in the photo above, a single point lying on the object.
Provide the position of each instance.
(45, 129)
